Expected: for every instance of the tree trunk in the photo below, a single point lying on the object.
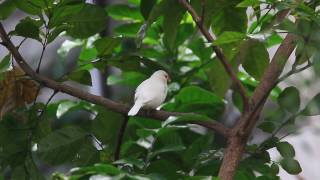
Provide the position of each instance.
(232, 156)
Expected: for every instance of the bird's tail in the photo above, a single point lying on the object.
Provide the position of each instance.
(135, 109)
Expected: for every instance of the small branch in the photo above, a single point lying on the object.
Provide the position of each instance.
(283, 124)
(120, 138)
(44, 46)
(259, 21)
(295, 71)
(3, 44)
(24, 39)
(112, 105)
(227, 66)
(45, 107)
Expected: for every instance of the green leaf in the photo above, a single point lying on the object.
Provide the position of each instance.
(33, 7)
(218, 78)
(106, 126)
(196, 150)
(28, 28)
(90, 20)
(106, 45)
(289, 99)
(286, 149)
(273, 40)
(313, 107)
(146, 7)
(274, 168)
(255, 58)
(247, 3)
(87, 154)
(6, 9)
(56, 32)
(166, 149)
(132, 79)
(5, 64)
(132, 161)
(60, 138)
(273, 120)
(167, 140)
(269, 143)
(128, 30)
(291, 165)
(61, 145)
(267, 126)
(87, 55)
(199, 49)
(186, 119)
(124, 12)
(64, 107)
(229, 18)
(63, 12)
(164, 169)
(197, 100)
(229, 37)
(97, 169)
(173, 13)
(81, 76)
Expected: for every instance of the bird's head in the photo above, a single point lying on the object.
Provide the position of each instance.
(161, 75)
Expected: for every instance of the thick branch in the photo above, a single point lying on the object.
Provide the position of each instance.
(275, 68)
(227, 66)
(114, 106)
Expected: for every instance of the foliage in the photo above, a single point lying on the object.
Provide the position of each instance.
(152, 35)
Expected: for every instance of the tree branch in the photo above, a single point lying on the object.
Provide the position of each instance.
(120, 138)
(295, 71)
(240, 133)
(223, 59)
(112, 105)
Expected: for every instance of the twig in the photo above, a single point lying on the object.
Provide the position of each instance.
(227, 66)
(295, 71)
(45, 107)
(283, 124)
(21, 43)
(3, 44)
(112, 105)
(33, 129)
(44, 46)
(259, 21)
(120, 138)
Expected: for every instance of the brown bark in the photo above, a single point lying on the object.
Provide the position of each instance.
(232, 156)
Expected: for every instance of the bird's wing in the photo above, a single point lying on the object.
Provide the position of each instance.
(145, 91)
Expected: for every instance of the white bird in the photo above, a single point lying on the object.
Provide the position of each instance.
(151, 93)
